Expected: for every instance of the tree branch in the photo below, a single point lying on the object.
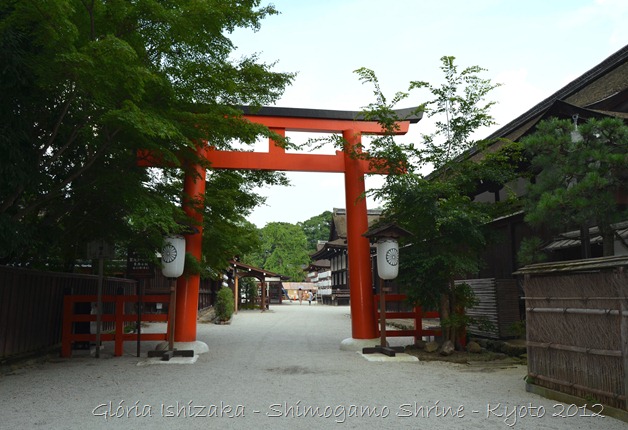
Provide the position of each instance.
(59, 187)
(55, 130)
(90, 11)
(9, 201)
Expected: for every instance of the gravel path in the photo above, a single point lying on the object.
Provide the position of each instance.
(275, 370)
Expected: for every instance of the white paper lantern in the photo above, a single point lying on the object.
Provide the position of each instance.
(173, 256)
(387, 258)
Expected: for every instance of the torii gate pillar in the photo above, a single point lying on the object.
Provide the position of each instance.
(363, 325)
(188, 286)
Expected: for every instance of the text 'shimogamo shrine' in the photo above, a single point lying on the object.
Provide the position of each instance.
(280, 120)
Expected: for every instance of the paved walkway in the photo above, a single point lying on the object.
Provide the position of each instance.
(275, 370)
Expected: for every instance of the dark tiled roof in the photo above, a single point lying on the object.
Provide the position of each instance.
(602, 81)
(603, 89)
(255, 271)
(339, 222)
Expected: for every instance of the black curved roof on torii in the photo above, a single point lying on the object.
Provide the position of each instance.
(413, 114)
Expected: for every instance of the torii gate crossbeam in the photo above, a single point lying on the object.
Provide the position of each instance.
(280, 120)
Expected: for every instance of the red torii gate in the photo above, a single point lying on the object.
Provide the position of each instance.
(279, 120)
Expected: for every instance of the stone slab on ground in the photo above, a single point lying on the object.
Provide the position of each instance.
(399, 357)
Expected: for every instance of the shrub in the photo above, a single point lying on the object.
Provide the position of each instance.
(518, 329)
(224, 304)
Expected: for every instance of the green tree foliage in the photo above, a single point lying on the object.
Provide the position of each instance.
(383, 151)
(283, 250)
(577, 175)
(249, 289)
(85, 84)
(460, 108)
(447, 234)
(316, 228)
(448, 226)
(227, 204)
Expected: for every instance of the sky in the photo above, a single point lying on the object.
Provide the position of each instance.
(532, 48)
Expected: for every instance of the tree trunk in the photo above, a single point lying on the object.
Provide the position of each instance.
(585, 242)
(608, 240)
(444, 314)
(453, 333)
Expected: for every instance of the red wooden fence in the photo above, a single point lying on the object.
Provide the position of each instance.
(31, 307)
(416, 314)
(119, 317)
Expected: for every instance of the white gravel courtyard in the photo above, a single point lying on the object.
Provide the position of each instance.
(281, 369)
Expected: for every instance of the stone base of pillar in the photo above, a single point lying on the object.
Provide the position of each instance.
(197, 346)
(351, 344)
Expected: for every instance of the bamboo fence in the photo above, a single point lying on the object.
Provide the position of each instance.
(577, 328)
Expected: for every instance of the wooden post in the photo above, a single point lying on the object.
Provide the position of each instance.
(172, 313)
(382, 313)
(68, 316)
(139, 288)
(101, 263)
(119, 337)
(236, 290)
(383, 348)
(623, 324)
